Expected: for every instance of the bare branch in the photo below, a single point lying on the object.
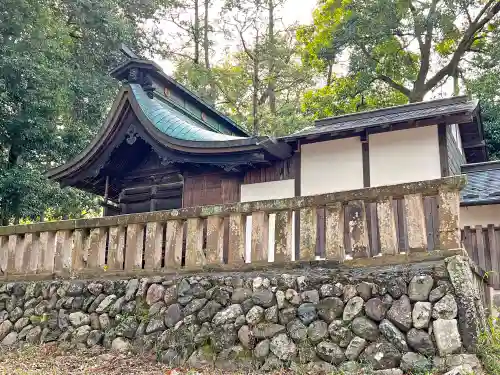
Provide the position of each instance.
(396, 86)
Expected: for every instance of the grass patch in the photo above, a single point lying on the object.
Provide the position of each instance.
(489, 348)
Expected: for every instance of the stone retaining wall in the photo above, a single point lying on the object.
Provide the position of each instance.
(398, 318)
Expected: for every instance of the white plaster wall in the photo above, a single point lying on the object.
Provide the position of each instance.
(265, 191)
(330, 166)
(480, 215)
(404, 156)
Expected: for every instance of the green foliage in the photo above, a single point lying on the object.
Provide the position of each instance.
(392, 45)
(54, 92)
(489, 348)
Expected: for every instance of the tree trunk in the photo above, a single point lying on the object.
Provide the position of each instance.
(255, 84)
(206, 51)
(271, 88)
(196, 33)
(329, 73)
(205, 36)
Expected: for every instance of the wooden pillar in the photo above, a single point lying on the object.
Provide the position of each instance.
(78, 255)
(283, 237)
(448, 217)
(12, 247)
(237, 226)
(153, 249)
(215, 240)
(48, 250)
(308, 231)
(63, 259)
(133, 250)
(415, 222)
(387, 227)
(4, 253)
(116, 248)
(260, 236)
(358, 229)
(173, 244)
(97, 248)
(194, 243)
(334, 233)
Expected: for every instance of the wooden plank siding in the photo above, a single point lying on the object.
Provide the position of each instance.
(279, 170)
(483, 246)
(455, 158)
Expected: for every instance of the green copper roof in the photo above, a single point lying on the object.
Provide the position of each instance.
(172, 122)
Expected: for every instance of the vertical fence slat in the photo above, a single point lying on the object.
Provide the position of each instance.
(35, 256)
(26, 256)
(173, 244)
(194, 243)
(358, 229)
(64, 249)
(496, 236)
(78, 250)
(133, 249)
(448, 216)
(334, 232)
(4, 253)
(283, 237)
(308, 233)
(48, 250)
(116, 247)
(415, 222)
(153, 247)
(12, 245)
(215, 240)
(481, 251)
(387, 227)
(97, 248)
(260, 236)
(236, 248)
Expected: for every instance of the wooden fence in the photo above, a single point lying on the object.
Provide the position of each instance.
(483, 246)
(193, 237)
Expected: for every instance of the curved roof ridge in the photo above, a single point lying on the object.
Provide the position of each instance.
(173, 123)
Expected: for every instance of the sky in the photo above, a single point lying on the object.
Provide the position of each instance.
(294, 11)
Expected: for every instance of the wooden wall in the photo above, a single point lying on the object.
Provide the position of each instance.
(210, 188)
(279, 170)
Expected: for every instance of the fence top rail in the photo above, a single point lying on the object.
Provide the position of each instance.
(372, 194)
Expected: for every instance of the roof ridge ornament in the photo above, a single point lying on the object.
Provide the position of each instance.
(135, 73)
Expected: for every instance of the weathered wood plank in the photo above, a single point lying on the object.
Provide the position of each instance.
(358, 229)
(481, 251)
(97, 248)
(236, 251)
(28, 262)
(78, 255)
(35, 254)
(283, 237)
(308, 233)
(215, 240)
(4, 253)
(495, 261)
(260, 236)
(116, 248)
(12, 246)
(387, 227)
(194, 243)
(415, 222)
(133, 249)
(64, 249)
(173, 244)
(448, 216)
(334, 232)
(153, 247)
(47, 250)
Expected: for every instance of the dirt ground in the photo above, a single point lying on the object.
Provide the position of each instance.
(49, 360)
